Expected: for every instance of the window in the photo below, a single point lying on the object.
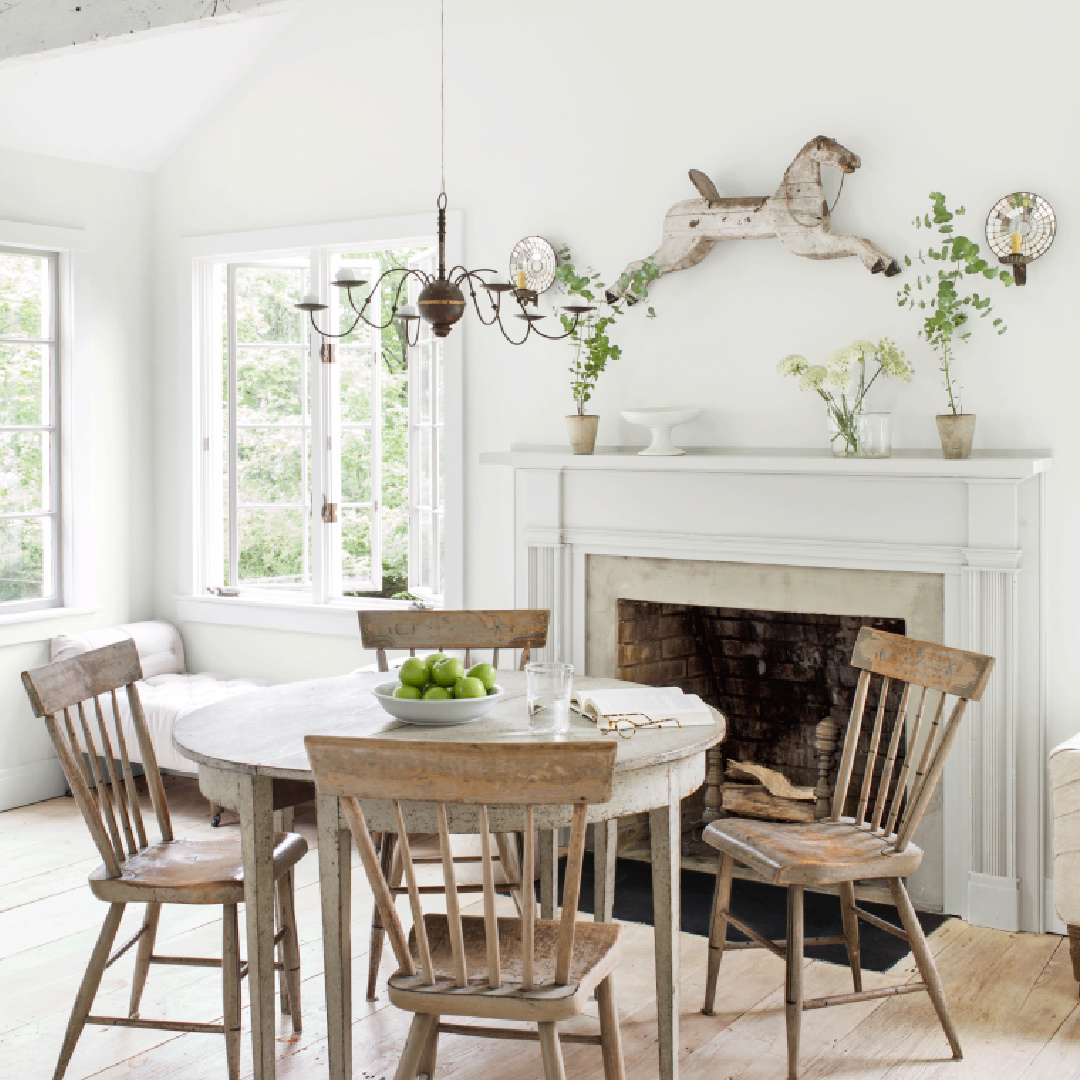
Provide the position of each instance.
(30, 556)
(323, 479)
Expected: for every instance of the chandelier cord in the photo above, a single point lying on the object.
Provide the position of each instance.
(442, 90)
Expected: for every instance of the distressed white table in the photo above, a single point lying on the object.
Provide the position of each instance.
(251, 757)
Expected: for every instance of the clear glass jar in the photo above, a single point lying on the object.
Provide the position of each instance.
(875, 434)
(843, 435)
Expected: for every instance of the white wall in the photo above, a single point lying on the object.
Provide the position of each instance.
(112, 205)
(578, 122)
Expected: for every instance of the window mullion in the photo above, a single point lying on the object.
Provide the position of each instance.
(325, 448)
(234, 532)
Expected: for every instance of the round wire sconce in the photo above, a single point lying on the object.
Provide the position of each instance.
(1019, 229)
(535, 258)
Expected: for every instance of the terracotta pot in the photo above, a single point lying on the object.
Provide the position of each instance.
(582, 431)
(956, 433)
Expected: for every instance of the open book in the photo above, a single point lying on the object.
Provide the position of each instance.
(642, 707)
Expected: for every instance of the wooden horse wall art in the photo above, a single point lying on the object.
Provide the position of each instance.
(797, 214)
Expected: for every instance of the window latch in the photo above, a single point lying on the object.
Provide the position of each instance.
(329, 511)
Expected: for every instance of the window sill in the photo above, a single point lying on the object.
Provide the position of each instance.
(37, 625)
(301, 616)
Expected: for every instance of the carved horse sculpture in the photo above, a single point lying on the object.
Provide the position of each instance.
(797, 214)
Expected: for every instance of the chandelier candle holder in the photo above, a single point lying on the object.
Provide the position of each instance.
(1020, 229)
(441, 301)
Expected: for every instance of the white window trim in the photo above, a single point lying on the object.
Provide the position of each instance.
(77, 593)
(193, 603)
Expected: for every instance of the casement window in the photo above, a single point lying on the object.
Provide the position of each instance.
(323, 469)
(30, 480)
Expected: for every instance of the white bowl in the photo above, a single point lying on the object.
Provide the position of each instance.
(434, 713)
(660, 421)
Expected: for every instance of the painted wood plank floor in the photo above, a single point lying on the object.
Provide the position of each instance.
(1012, 995)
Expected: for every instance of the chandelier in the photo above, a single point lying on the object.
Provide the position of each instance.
(441, 301)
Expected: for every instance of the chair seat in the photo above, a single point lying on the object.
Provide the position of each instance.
(190, 871)
(595, 954)
(821, 853)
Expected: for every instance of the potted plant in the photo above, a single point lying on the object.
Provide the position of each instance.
(948, 308)
(593, 348)
(832, 380)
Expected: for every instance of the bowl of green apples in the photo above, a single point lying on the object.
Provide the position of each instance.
(437, 690)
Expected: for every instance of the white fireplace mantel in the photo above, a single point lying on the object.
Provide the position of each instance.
(978, 523)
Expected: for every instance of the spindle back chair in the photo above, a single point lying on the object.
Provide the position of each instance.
(78, 700)
(517, 968)
(875, 839)
(523, 629)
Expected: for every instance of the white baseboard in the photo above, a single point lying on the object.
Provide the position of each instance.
(993, 901)
(31, 783)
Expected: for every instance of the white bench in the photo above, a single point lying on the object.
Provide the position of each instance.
(167, 691)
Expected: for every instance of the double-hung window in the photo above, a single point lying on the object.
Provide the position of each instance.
(30, 533)
(323, 469)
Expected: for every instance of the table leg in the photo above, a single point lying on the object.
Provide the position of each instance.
(335, 882)
(605, 845)
(549, 873)
(665, 843)
(257, 847)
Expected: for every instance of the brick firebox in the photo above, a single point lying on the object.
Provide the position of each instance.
(775, 675)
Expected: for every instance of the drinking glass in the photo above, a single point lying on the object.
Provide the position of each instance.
(875, 435)
(548, 695)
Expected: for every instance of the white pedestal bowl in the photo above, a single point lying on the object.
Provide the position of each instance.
(660, 421)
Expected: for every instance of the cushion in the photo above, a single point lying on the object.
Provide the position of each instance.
(161, 651)
(1064, 768)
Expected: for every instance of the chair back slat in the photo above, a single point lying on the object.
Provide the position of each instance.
(104, 798)
(129, 778)
(871, 753)
(419, 927)
(107, 795)
(851, 742)
(118, 791)
(491, 922)
(929, 668)
(571, 892)
(890, 759)
(522, 629)
(453, 908)
(528, 902)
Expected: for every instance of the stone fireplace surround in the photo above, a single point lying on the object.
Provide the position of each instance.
(953, 547)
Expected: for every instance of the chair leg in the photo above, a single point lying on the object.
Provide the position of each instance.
(375, 946)
(794, 982)
(851, 932)
(430, 1054)
(507, 844)
(718, 929)
(925, 961)
(1074, 950)
(610, 1037)
(84, 999)
(290, 949)
(552, 1051)
(230, 987)
(142, 957)
(215, 815)
(419, 1032)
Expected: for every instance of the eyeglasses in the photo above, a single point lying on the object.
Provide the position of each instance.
(624, 724)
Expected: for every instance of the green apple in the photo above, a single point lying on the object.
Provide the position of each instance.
(411, 692)
(437, 693)
(413, 672)
(485, 673)
(469, 687)
(432, 660)
(447, 672)
(494, 690)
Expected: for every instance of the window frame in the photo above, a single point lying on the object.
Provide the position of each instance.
(75, 554)
(316, 613)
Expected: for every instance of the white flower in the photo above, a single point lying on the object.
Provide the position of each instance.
(891, 359)
(838, 368)
(813, 377)
(793, 365)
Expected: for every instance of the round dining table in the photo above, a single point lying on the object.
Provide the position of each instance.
(251, 758)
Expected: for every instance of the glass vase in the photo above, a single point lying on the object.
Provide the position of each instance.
(875, 435)
(844, 435)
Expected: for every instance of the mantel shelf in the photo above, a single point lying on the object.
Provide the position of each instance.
(982, 465)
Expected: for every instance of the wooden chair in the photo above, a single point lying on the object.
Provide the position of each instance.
(137, 869)
(519, 968)
(860, 839)
(440, 631)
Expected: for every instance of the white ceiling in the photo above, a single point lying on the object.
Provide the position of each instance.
(128, 104)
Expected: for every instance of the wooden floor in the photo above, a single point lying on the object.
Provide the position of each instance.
(1012, 995)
